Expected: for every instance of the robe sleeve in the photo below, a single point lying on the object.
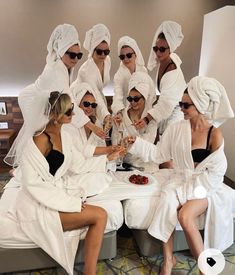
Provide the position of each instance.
(45, 192)
(118, 102)
(149, 152)
(172, 88)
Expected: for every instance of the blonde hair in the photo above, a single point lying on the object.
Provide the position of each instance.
(60, 103)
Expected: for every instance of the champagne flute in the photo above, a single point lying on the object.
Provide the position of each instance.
(107, 126)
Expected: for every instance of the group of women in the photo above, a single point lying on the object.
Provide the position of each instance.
(51, 171)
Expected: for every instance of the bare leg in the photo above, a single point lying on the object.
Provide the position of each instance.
(166, 165)
(94, 217)
(169, 258)
(187, 218)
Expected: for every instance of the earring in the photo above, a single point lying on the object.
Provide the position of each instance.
(55, 122)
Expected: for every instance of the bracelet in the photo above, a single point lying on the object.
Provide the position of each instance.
(146, 120)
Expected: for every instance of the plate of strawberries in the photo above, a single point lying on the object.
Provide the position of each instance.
(140, 179)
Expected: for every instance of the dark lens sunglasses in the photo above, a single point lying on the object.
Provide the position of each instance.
(73, 55)
(69, 111)
(128, 55)
(100, 52)
(135, 98)
(160, 49)
(185, 105)
(88, 104)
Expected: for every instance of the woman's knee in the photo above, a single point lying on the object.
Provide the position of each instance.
(185, 219)
(101, 214)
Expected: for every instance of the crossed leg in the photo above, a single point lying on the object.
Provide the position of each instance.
(95, 218)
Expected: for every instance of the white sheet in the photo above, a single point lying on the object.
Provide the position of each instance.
(15, 238)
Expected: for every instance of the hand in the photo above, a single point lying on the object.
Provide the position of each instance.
(98, 131)
(140, 124)
(119, 152)
(130, 139)
(117, 119)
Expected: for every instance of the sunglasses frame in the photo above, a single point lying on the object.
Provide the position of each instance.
(185, 105)
(73, 55)
(100, 52)
(127, 55)
(93, 104)
(134, 98)
(69, 111)
(160, 49)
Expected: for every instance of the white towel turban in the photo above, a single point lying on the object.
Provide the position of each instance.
(95, 36)
(79, 90)
(62, 38)
(174, 37)
(210, 99)
(143, 83)
(130, 42)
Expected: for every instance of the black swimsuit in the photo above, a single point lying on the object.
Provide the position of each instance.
(55, 158)
(158, 79)
(200, 154)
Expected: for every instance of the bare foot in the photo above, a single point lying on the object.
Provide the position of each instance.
(168, 265)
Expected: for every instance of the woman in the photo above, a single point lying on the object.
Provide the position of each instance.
(197, 148)
(169, 78)
(53, 177)
(64, 51)
(140, 99)
(86, 142)
(131, 61)
(95, 71)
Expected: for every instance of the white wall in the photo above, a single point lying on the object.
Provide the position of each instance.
(218, 61)
(26, 25)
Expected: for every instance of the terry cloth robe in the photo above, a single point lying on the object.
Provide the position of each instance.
(176, 144)
(171, 90)
(121, 81)
(90, 74)
(55, 77)
(85, 145)
(43, 195)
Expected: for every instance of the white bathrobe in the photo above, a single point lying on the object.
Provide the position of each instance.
(85, 145)
(172, 87)
(43, 195)
(55, 77)
(121, 81)
(176, 144)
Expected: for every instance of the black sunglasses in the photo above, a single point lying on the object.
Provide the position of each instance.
(128, 55)
(100, 52)
(73, 55)
(135, 98)
(69, 111)
(160, 49)
(88, 104)
(185, 105)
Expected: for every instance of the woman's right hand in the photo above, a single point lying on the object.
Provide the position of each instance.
(97, 131)
(119, 152)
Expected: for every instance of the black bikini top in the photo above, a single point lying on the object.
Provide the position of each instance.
(55, 158)
(158, 79)
(200, 154)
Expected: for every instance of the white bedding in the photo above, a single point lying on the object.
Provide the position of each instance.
(11, 236)
(138, 212)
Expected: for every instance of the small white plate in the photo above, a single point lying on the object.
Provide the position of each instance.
(150, 178)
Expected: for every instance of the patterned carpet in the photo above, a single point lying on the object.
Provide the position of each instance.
(129, 262)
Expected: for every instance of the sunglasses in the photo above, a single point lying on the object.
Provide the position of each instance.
(185, 105)
(160, 49)
(69, 111)
(88, 104)
(73, 55)
(128, 55)
(100, 52)
(135, 98)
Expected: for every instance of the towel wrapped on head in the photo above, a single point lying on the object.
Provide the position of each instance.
(62, 38)
(210, 99)
(95, 36)
(79, 90)
(173, 35)
(130, 42)
(143, 83)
